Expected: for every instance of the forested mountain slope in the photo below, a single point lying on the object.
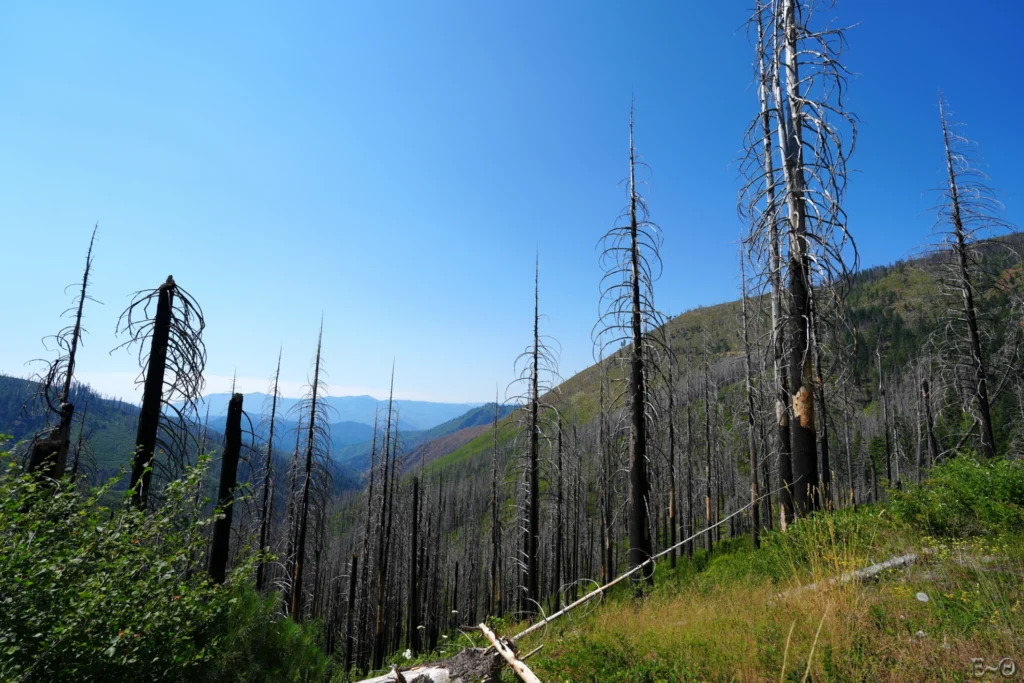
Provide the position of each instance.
(110, 429)
(887, 339)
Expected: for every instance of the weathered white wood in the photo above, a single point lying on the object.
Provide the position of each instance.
(505, 651)
(859, 574)
(471, 665)
(433, 673)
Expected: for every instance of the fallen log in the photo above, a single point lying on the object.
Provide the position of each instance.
(859, 574)
(472, 665)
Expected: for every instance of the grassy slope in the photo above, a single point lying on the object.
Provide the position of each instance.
(749, 615)
(357, 456)
(746, 615)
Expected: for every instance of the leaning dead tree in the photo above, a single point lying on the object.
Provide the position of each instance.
(537, 371)
(630, 258)
(166, 325)
(968, 214)
(49, 453)
(798, 219)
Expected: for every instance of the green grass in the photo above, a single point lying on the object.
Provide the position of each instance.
(747, 615)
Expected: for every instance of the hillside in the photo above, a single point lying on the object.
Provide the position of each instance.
(416, 415)
(110, 430)
(357, 455)
(897, 305)
(342, 433)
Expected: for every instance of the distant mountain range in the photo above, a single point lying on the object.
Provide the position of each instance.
(356, 456)
(112, 423)
(412, 415)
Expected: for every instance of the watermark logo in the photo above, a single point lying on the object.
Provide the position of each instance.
(1005, 667)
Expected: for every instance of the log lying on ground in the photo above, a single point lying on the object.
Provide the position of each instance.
(472, 665)
(859, 574)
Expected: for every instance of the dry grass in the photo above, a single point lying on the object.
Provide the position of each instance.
(745, 617)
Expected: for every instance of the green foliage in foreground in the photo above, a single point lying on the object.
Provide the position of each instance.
(89, 592)
(964, 497)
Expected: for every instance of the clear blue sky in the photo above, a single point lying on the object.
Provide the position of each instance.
(396, 166)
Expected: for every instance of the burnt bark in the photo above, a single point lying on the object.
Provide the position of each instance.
(267, 508)
(303, 512)
(226, 492)
(152, 396)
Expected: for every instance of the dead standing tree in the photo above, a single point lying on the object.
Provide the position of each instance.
(969, 212)
(172, 378)
(226, 493)
(537, 368)
(755, 519)
(814, 137)
(49, 453)
(314, 422)
(760, 206)
(267, 509)
(630, 258)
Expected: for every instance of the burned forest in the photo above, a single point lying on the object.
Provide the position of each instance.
(818, 477)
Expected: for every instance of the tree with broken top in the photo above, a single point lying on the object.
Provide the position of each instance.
(166, 325)
(49, 451)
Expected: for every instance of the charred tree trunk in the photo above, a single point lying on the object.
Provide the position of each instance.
(382, 556)
(414, 579)
(791, 143)
(350, 609)
(46, 460)
(885, 419)
(296, 596)
(709, 537)
(226, 493)
(768, 83)
(689, 478)
(825, 484)
(607, 568)
(639, 486)
(494, 597)
(933, 442)
(152, 396)
(81, 440)
(531, 542)
(364, 576)
(673, 522)
(755, 517)
(559, 502)
(267, 509)
(960, 250)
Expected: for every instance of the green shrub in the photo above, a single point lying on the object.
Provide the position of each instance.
(256, 645)
(964, 497)
(96, 593)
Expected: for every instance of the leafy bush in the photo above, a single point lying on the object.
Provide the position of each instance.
(91, 592)
(256, 645)
(964, 497)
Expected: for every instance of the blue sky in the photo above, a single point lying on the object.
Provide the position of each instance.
(396, 166)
